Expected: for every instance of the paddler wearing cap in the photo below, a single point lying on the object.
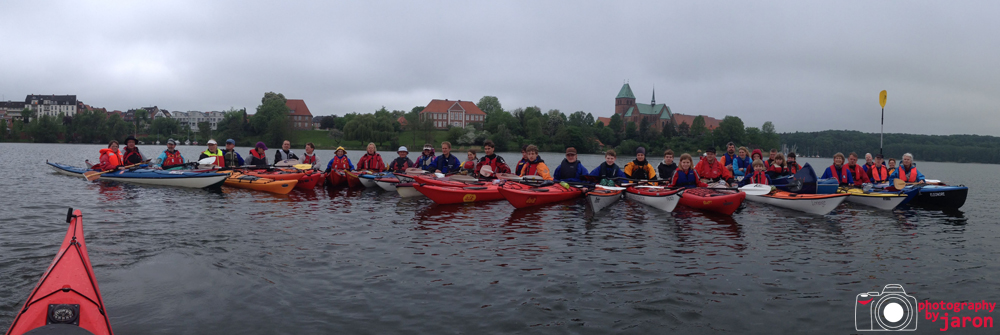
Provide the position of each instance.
(491, 163)
(340, 161)
(258, 155)
(170, 158)
(570, 170)
(426, 159)
(640, 168)
(285, 153)
(231, 157)
(711, 170)
(214, 152)
(401, 163)
(131, 154)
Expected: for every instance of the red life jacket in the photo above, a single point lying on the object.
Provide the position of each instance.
(913, 176)
(794, 168)
(127, 157)
(172, 158)
(308, 159)
(257, 155)
(859, 174)
(759, 178)
(841, 177)
(496, 163)
(340, 163)
(371, 162)
(879, 173)
(531, 168)
(114, 158)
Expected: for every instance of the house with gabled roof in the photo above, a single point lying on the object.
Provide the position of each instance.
(298, 114)
(454, 113)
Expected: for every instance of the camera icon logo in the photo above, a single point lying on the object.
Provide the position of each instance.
(889, 310)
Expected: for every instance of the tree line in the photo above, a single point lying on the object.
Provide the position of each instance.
(935, 148)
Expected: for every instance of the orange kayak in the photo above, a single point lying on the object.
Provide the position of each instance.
(276, 175)
(260, 184)
(66, 299)
(336, 178)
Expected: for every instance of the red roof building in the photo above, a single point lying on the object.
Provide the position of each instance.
(455, 113)
(710, 122)
(605, 120)
(299, 115)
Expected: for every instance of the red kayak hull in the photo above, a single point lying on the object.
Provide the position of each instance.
(309, 181)
(458, 195)
(353, 181)
(336, 178)
(521, 195)
(68, 281)
(431, 180)
(725, 202)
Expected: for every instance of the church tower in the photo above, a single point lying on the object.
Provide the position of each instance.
(624, 100)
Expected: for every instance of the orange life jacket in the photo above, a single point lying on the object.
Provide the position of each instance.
(842, 176)
(172, 158)
(341, 163)
(912, 177)
(114, 156)
(879, 173)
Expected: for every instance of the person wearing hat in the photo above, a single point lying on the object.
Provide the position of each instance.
(339, 161)
(285, 153)
(446, 163)
(495, 163)
(258, 156)
(309, 157)
(170, 158)
(640, 168)
(878, 172)
(231, 157)
(711, 170)
(426, 157)
(469, 167)
(131, 155)
(214, 152)
(401, 163)
(570, 170)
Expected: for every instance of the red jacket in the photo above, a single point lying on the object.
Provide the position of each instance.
(713, 169)
(110, 159)
(860, 176)
(371, 162)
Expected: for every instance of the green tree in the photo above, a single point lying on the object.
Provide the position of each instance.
(141, 120)
(27, 115)
(165, 126)
(455, 133)
(273, 96)
(684, 129)
(117, 128)
(328, 122)
(271, 120)
(753, 138)
(769, 137)
(3, 130)
(631, 131)
(730, 129)
(45, 129)
(204, 131)
(489, 104)
(617, 125)
(698, 126)
(669, 130)
(233, 125)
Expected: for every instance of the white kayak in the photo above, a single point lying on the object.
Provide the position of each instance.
(662, 198)
(883, 201)
(819, 204)
(386, 185)
(406, 190)
(602, 197)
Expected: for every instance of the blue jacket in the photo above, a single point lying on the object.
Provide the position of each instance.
(577, 175)
(425, 162)
(445, 164)
(618, 173)
(829, 174)
(743, 163)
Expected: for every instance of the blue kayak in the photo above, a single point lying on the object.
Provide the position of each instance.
(803, 182)
(150, 176)
(938, 196)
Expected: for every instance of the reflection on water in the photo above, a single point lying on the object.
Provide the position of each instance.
(368, 261)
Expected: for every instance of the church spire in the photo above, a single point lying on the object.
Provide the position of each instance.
(653, 103)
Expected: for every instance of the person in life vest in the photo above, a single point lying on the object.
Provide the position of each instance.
(608, 171)
(534, 166)
(907, 171)
(170, 158)
(729, 155)
(685, 175)
(371, 160)
(770, 159)
(426, 157)
(858, 172)
(446, 163)
(339, 161)
(712, 171)
(757, 154)
(793, 167)
(131, 154)
(570, 170)
(667, 167)
(778, 168)
(401, 163)
(879, 173)
(110, 159)
(524, 160)
(892, 165)
(742, 164)
(469, 166)
(869, 163)
(759, 174)
(310, 156)
(839, 171)
(640, 169)
(491, 159)
(231, 157)
(258, 156)
(285, 153)
(213, 151)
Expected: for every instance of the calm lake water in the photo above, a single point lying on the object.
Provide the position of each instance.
(181, 261)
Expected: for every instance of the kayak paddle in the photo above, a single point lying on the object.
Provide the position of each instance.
(93, 175)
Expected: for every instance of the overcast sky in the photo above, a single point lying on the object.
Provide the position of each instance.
(803, 65)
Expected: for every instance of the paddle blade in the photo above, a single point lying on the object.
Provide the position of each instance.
(794, 186)
(207, 161)
(881, 98)
(508, 176)
(756, 189)
(415, 171)
(486, 171)
(899, 184)
(303, 166)
(612, 188)
(91, 175)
